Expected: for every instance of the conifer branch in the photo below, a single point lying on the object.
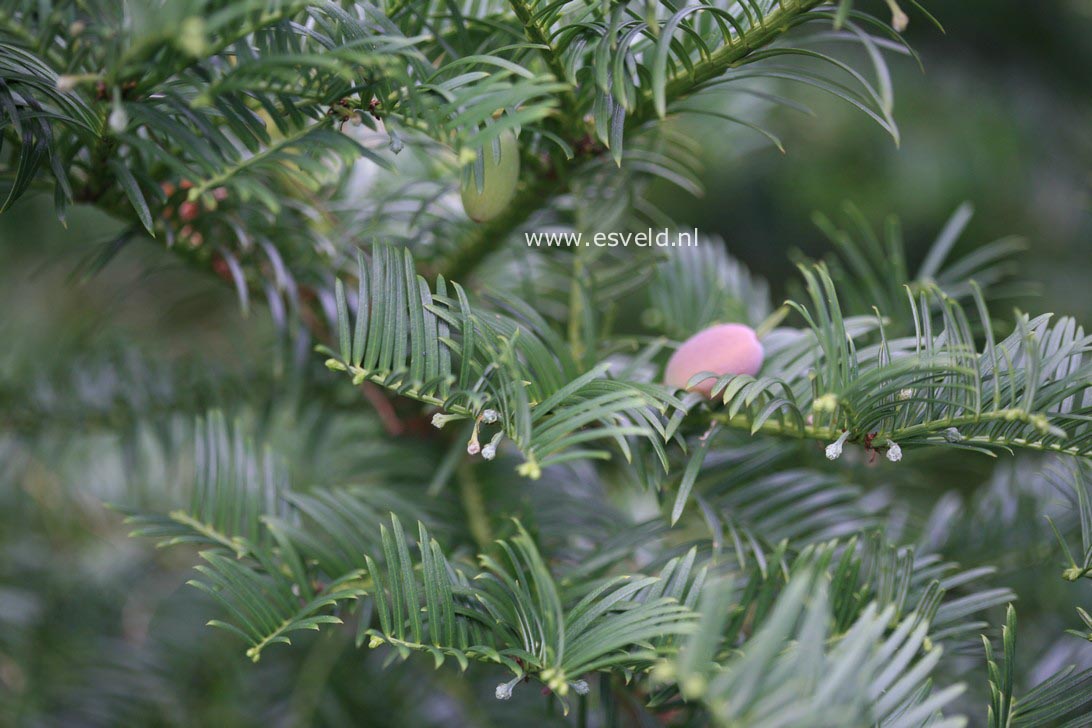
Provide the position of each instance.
(479, 243)
(793, 591)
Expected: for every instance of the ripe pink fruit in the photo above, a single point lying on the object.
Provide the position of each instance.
(721, 349)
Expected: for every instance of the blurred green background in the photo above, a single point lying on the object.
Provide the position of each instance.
(1001, 117)
(90, 621)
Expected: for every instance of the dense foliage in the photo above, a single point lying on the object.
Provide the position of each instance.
(488, 476)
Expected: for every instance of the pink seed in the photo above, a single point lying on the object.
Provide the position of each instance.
(721, 349)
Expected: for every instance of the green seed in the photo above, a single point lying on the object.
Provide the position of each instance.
(498, 183)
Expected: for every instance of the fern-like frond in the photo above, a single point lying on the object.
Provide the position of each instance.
(1063, 699)
(871, 270)
(233, 488)
(1074, 481)
(505, 367)
(794, 671)
(424, 604)
(33, 103)
(1029, 390)
(861, 569)
(267, 605)
(733, 478)
(700, 286)
(513, 612)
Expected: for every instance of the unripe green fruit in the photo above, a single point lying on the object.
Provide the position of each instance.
(498, 180)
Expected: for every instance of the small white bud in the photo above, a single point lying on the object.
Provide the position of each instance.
(490, 450)
(473, 447)
(67, 83)
(894, 452)
(580, 687)
(490, 416)
(834, 449)
(396, 143)
(440, 419)
(118, 119)
(905, 394)
(953, 435)
(899, 19)
(504, 690)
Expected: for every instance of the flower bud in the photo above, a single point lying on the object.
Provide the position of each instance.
(118, 119)
(834, 449)
(722, 349)
(899, 19)
(894, 452)
(66, 83)
(397, 144)
(504, 690)
(490, 450)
